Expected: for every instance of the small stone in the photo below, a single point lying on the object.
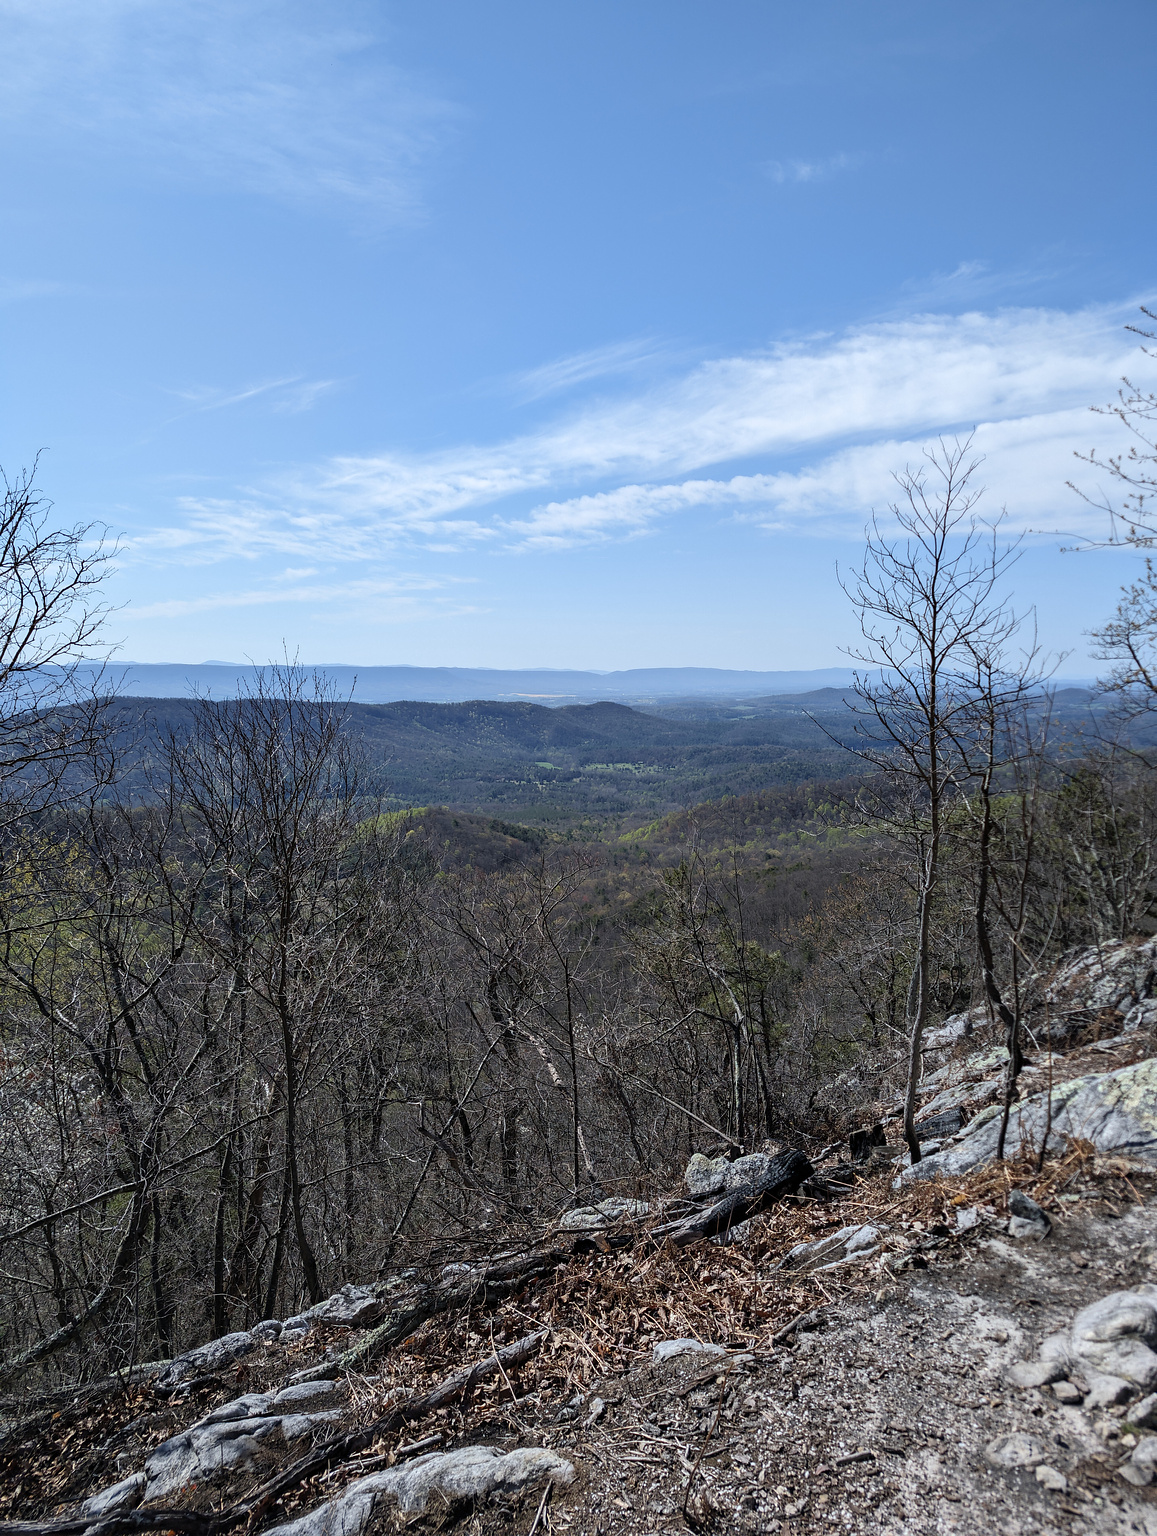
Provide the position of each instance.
(1014, 1450)
(1034, 1373)
(1066, 1392)
(967, 1219)
(1144, 1415)
(1050, 1478)
(597, 1408)
(1024, 1230)
(671, 1349)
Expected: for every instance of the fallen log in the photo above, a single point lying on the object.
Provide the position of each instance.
(785, 1175)
(481, 1287)
(339, 1448)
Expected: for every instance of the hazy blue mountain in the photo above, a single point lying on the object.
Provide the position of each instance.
(450, 685)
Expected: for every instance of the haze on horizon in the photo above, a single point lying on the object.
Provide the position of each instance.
(562, 337)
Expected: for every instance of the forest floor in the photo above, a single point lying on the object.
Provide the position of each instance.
(872, 1414)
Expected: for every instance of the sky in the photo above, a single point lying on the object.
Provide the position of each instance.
(547, 334)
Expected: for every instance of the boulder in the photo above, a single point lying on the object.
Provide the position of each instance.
(1113, 1336)
(116, 1500)
(1034, 1373)
(593, 1217)
(749, 1170)
(450, 1477)
(210, 1358)
(705, 1175)
(1116, 1111)
(205, 1453)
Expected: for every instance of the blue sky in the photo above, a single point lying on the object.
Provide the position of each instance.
(545, 334)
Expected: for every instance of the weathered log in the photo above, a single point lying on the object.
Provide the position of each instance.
(480, 1287)
(785, 1175)
(190, 1522)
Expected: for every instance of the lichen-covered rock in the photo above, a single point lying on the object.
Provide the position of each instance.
(705, 1175)
(454, 1477)
(591, 1218)
(747, 1171)
(215, 1356)
(1116, 1111)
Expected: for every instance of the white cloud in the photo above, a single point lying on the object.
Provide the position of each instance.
(782, 171)
(399, 590)
(581, 367)
(272, 96)
(861, 400)
(291, 395)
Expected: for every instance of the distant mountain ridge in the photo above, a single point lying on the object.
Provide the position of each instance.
(452, 685)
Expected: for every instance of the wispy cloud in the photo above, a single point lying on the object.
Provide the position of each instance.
(290, 395)
(15, 290)
(272, 96)
(846, 403)
(783, 171)
(579, 368)
(400, 590)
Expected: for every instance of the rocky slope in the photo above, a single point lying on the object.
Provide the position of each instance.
(905, 1350)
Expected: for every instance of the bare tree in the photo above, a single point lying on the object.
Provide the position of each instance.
(51, 616)
(1129, 639)
(929, 605)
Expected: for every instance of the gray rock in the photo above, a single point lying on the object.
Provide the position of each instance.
(967, 1217)
(354, 1306)
(1014, 1450)
(1144, 1413)
(855, 1242)
(1033, 1231)
(308, 1392)
(1050, 1478)
(1057, 1349)
(1027, 1218)
(1116, 1111)
(1113, 1336)
(705, 1175)
(295, 1426)
(250, 1406)
(1141, 1016)
(1107, 1391)
(269, 1329)
(1034, 1373)
(452, 1476)
(204, 1453)
(215, 1356)
(116, 1500)
(1141, 1468)
(593, 1217)
(1067, 1392)
(747, 1170)
(293, 1335)
(671, 1349)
